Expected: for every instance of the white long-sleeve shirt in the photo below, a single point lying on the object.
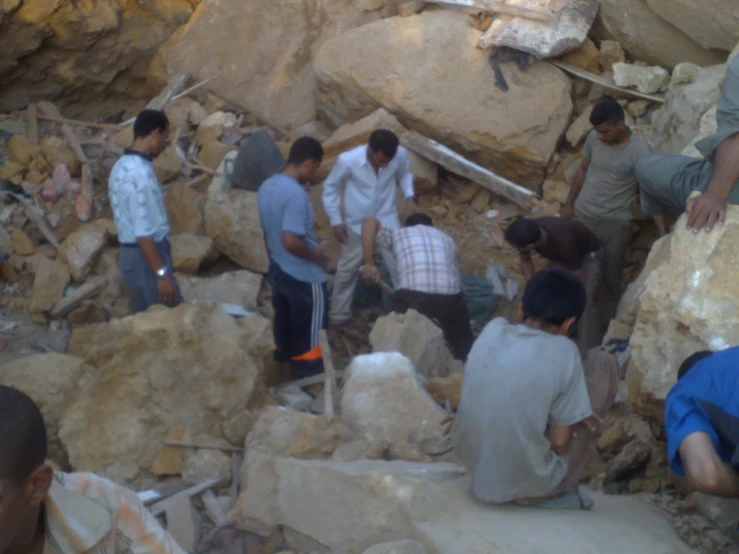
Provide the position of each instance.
(367, 192)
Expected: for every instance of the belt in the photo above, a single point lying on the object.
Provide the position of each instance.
(131, 245)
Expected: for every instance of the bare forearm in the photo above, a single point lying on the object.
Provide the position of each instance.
(576, 187)
(297, 247)
(150, 252)
(661, 224)
(726, 168)
(370, 227)
(527, 267)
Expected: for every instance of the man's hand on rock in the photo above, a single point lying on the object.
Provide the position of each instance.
(704, 211)
(167, 290)
(340, 232)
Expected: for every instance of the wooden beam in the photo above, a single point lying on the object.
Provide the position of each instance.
(213, 508)
(201, 446)
(308, 381)
(84, 292)
(32, 123)
(160, 507)
(235, 487)
(330, 383)
(605, 81)
(79, 122)
(49, 109)
(446, 157)
(490, 6)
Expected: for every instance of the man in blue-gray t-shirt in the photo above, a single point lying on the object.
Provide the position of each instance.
(299, 295)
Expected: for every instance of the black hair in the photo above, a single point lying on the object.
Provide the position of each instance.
(607, 110)
(385, 142)
(522, 232)
(554, 295)
(22, 435)
(149, 121)
(690, 361)
(305, 149)
(418, 219)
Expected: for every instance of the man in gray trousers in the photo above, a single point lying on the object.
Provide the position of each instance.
(138, 209)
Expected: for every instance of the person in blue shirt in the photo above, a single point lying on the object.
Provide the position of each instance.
(702, 422)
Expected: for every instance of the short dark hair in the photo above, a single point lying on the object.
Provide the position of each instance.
(607, 110)
(22, 435)
(385, 142)
(522, 232)
(553, 295)
(149, 121)
(690, 362)
(418, 219)
(304, 149)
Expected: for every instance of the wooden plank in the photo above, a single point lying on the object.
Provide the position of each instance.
(490, 6)
(88, 290)
(32, 123)
(328, 366)
(195, 87)
(160, 507)
(78, 122)
(446, 157)
(312, 380)
(180, 524)
(201, 446)
(235, 487)
(215, 512)
(605, 81)
(155, 495)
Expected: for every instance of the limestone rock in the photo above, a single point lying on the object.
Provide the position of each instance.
(115, 297)
(610, 53)
(56, 150)
(50, 380)
(232, 221)
(689, 303)
(585, 57)
(612, 440)
(446, 389)
(712, 23)
(555, 191)
(48, 285)
(185, 206)
(407, 8)
(427, 71)
(156, 369)
(646, 36)
(169, 459)
(205, 464)
(81, 249)
(415, 336)
(580, 128)
(383, 401)
(196, 113)
(678, 121)
(167, 165)
(371, 5)
(350, 506)
(21, 150)
(645, 79)
(685, 74)
(425, 173)
(177, 112)
(638, 108)
(190, 252)
(233, 287)
(213, 152)
(399, 547)
(276, 78)
(238, 427)
(88, 312)
(22, 244)
(630, 460)
(708, 125)
(211, 128)
(298, 434)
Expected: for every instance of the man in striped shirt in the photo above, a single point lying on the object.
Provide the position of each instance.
(428, 271)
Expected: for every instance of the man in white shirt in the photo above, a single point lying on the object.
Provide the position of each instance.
(370, 175)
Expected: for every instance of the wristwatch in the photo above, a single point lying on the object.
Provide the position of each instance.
(161, 272)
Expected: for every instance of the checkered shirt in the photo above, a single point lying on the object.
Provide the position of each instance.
(426, 258)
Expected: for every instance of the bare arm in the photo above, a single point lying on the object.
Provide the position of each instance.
(559, 438)
(370, 228)
(577, 182)
(165, 285)
(705, 470)
(296, 246)
(527, 266)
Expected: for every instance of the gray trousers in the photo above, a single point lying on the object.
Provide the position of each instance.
(140, 279)
(666, 181)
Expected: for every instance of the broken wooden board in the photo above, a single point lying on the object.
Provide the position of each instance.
(84, 292)
(448, 158)
(566, 31)
(161, 506)
(181, 522)
(329, 386)
(155, 495)
(489, 6)
(605, 81)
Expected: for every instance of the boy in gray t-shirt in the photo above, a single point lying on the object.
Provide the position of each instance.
(528, 407)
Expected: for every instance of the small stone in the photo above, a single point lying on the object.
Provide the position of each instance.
(370, 5)
(8, 273)
(612, 440)
(204, 465)
(22, 244)
(34, 179)
(61, 177)
(50, 192)
(83, 208)
(685, 74)
(410, 7)
(586, 57)
(293, 398)
(21, 150)
(10, 170)
(481, 201)
(611, 52)
(48, 286)
(6, 242)
(466, 192)
(632, 458)
(121, 473)
(647, 80)
(212, 126)
(88, 312)
(169, 459)
(638, 108)
(213, 153)
(196, 113)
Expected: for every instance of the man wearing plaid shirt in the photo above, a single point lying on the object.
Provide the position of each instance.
(428, 271)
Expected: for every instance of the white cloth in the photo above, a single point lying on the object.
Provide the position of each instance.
(367, 192)
(136, 199)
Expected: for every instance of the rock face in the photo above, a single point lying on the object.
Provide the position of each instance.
(416, 337)
(50, 380)
(383, 402)
(157, 369)
(351, 506)
(232, 221)
(233, 287)
(426, 70)
(646, 36)
(689, 303)
(276, 79)
(712, 24)
(84, 54)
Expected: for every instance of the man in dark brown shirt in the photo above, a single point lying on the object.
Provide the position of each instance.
(568, 243)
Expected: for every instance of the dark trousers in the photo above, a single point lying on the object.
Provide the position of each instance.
(140, 279)
(301, 311)
(450, 310)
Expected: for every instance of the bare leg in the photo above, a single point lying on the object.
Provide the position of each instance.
(659, 222)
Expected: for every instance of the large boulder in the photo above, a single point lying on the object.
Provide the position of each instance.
(232, 287)
(426, 70)
(711, 23)
(87, 55)
(415, 336)
(190, 252)
(51, 381)
(383, 402)
(349, 507)
(646, 36)
(188, 365)
(690, 302)
(276, 79)
(48, 285)
(185, 207)
(81, 249)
